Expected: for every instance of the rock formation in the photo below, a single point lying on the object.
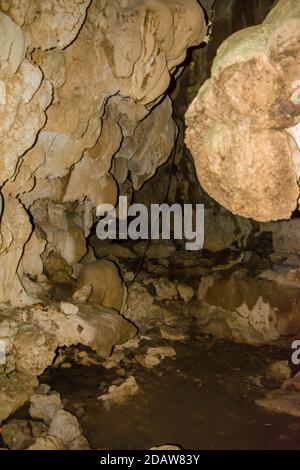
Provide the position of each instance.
(243, 126)
(82, 92)
(93, 101)
(33, 335)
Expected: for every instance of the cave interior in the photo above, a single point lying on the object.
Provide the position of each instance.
(112, 336)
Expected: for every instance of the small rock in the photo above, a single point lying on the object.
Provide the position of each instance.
(147, 361)
(171, 334)
(128, 276)
(60, 359)
(64, 426)
(45, 407)
(119, 394)
(130, 344)
(66, 365)
(113, 360)
(154, 356)
(69, 309)
(186, 292)
(279, 370)
(122, 372)
(83, 358)
(162, 351)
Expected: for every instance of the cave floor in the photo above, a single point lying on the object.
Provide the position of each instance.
(203, 398)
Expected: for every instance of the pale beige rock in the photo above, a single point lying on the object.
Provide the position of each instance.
(154, 356)
(64, 426)
(148, 361)
(237, 125)
(119, 394)
(279, 370)
(107, 287)
(57, 25)
(34, 348)
(45, 407)
(162, 351)
(12, 46)
(69, 309)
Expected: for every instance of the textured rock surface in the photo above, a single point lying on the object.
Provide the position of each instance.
(64, 426)
(107, 288)
(119, 394)
(33, 335)
(58, 429)
(44, 407)
(237, 305)
(239, 124)
(78, 83)
(15, 389)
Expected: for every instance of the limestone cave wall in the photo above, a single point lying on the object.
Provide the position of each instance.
(83, 103)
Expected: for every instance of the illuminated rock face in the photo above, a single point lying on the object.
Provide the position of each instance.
(242, 126)
(78, 82)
